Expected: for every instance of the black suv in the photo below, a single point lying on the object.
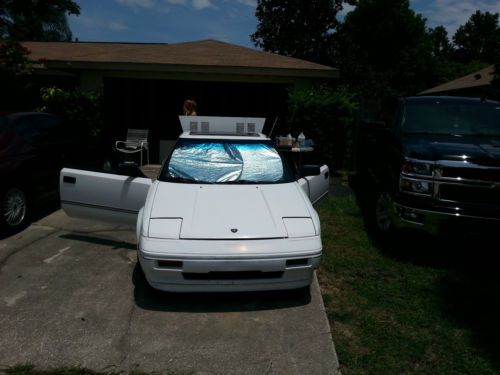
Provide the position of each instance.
(33, 149)
(438, 162)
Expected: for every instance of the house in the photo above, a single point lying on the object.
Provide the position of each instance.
(145, 85)
(474, 84)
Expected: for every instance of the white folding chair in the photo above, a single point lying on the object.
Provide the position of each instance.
(137, 141)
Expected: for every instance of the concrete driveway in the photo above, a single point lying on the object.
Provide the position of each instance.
(71, 295)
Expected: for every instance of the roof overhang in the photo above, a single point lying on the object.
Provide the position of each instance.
(178, 68)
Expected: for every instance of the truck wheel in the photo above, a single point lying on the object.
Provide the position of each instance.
(382, 213)
(14, 209)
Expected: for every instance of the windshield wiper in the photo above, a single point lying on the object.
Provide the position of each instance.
(426, 133)
(182, 179)
(480, 135)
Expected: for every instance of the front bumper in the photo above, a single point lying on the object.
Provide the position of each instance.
(433, 220)
(229, 266)
(462, 194)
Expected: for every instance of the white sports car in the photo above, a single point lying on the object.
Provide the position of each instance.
(225, 214)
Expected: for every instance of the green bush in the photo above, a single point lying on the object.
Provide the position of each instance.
(327, 117)
(82, 110)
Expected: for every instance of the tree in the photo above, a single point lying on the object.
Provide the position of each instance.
(41, 20)
(445, 66)
(479, 38)
(440, 43)
(383, 49)
(327, 116)
(297, 28)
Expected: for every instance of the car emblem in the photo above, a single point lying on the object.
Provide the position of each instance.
(234, 230)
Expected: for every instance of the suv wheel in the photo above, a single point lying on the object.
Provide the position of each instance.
(383, 206)
(14, 209)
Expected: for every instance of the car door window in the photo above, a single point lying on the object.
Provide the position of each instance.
(27, 130)
(50, 128)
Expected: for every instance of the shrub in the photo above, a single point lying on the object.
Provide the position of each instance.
(82, 110)
(327, 116)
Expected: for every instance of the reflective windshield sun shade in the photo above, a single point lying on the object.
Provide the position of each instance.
(219, 162)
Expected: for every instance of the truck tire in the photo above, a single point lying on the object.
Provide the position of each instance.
(381, 213)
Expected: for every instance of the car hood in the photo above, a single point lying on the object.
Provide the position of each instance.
(230, 211)
(480, 150)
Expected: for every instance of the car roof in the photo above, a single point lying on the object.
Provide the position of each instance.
(451, 99)
(17, 115)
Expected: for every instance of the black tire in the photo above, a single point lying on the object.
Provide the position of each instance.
(381, 214)
(14, 209)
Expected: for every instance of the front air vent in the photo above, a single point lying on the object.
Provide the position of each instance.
(169, 264)
(237, 275)
(193, 126)
(205, 127)
(296, 262)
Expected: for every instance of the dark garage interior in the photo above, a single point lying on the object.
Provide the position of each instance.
(155, 105)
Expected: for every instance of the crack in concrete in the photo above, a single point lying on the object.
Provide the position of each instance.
(123, 342)
(269, 368)
(4, 261)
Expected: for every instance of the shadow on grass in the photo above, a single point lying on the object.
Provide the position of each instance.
(151, 299)
(472, 291)
(467, 254)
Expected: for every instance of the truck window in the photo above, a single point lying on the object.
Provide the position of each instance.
(458, 118)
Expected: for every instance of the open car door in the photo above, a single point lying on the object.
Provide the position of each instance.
(102, 196)
(316, 187)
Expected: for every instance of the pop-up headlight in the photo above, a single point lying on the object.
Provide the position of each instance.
(299, 227)
(165, 228)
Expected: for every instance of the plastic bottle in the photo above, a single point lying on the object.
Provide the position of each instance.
(301, 139)
(289, 140)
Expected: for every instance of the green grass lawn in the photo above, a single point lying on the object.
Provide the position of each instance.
(419, 304)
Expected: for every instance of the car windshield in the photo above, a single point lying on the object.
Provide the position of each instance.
(457, 118)
(225, 161)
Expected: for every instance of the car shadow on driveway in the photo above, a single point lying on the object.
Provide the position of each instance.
(151, 299)
(100, 241)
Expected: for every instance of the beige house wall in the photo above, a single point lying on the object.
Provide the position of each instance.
(92, 75)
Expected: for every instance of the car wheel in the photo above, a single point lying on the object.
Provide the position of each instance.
(14, 209)
(382, 213)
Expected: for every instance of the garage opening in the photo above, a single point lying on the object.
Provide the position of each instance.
(155, 105)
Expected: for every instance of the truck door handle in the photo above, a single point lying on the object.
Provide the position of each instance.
(69, 179)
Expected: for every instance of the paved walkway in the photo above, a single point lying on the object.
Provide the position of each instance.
(70, 295)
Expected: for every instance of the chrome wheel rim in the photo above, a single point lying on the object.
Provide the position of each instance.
(383, 212)
(14, 207)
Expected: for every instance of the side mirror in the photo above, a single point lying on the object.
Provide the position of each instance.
(130, 169)
(310, 170)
